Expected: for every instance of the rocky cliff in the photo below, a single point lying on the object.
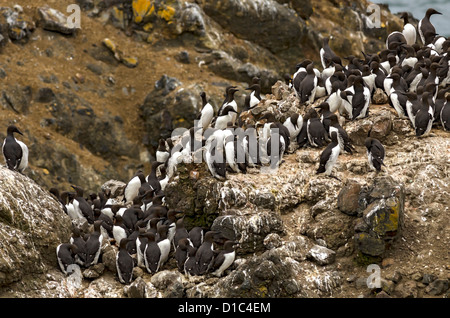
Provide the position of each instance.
(93, 102)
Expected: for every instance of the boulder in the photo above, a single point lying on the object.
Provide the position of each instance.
(382, 219)
(348, 198)
(32, 225)
(322, 255)
(274, 36)
(249, 230)
(54, 20)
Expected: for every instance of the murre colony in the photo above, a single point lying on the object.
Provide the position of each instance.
(148, 233)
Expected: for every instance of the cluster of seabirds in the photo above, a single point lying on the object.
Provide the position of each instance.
(147, 233)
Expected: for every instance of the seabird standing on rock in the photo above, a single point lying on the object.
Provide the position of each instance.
(227, 115)
(254, 98)
(181, 253)
(308, 86)
(152, 254)
(426, 29)
(229, 101)
(299, 75)
(316, 133)
(205, 255)
(409, 31)
(196, 236)
(190, 265)
(329, 156)
(294, 124)
(131, 190)
(375, 153)
(162, 153)
(412, 106)
(424, 117)
(445, 114)
(326, 53)
(94, 244)
(65, 254)
(78, 240)
(164, 244)
(15, 151)
(124, 263)
(215, 158)
(207, 113)
(119, 229)
(80, 205)
(224, 259)
(343, 138)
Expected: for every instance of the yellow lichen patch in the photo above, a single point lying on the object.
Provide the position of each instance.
(167, 13)
(142, 9)
(110, 44)
(148, 27)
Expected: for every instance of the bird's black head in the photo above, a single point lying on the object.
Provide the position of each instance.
(13, 129)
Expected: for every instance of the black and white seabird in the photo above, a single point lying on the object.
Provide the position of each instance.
(329, 156)
(65, 254)
(164, 244)
(398, 100)
(81, 205)
(439, 103)
(94, 244)
(308, 86)
(224, 259)
(327, 55)
(317, 135)
(227, 115)
(152, 254)
(395, 38)
(426, 29)
(325, 113)
(375, 153)
(119, 229)
(190, 265)
(14, 151)
(412, 106)
(299, 75)
(124, 263)
(131, 190)
(253, 98)
(294, 124)
(409, 31)
(181, 253)
(343, 138)
(162, 152)
(445, 114)
(196, 236)
(152, 178)
(361, 98)
(207, 113)
(78, 240)
(180, 232)
(275, 147)
(229, 101)
(214, 157)
(424, 117)
(204, 256)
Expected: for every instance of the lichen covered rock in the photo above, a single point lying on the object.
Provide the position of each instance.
(32, 225)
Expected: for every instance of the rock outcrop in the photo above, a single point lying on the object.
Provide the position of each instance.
(32, 225)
